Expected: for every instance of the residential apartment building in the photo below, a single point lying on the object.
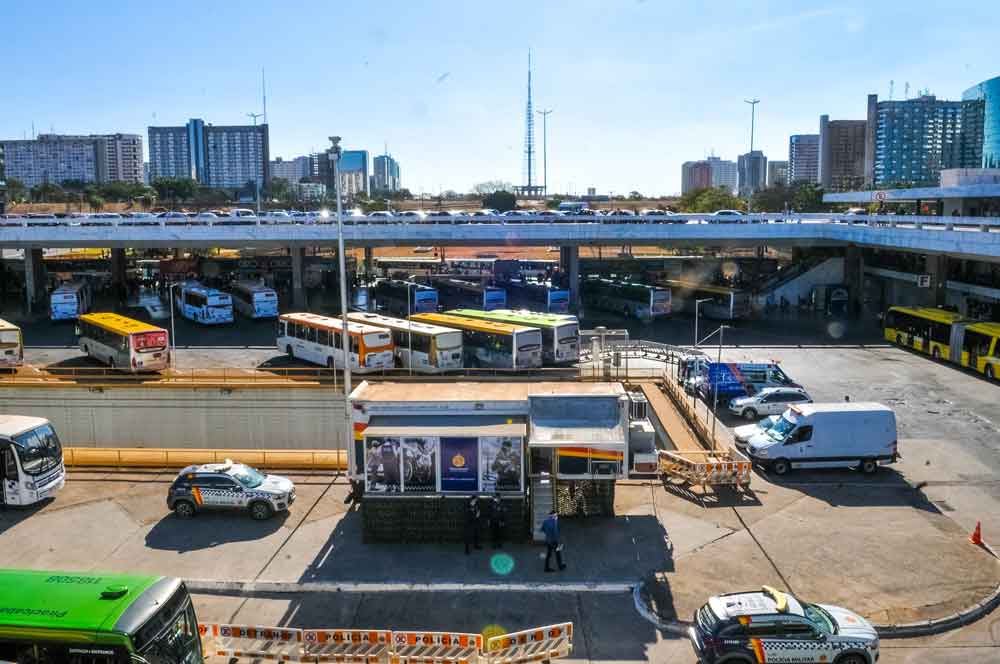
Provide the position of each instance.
(292, 170)
(354, 175)
(724, 174)
(386, 176)
(752, 168)
(777, 173)
(695, 175)
(55, 158)
(909, 142)
(222, 157)
(803, 158)
(841, 153)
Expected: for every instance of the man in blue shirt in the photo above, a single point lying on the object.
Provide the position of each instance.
(551, 529)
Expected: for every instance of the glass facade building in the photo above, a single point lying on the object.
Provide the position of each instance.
(988, 93)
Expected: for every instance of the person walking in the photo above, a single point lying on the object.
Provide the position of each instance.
(498, 520)
(472, 515)
(552, 545)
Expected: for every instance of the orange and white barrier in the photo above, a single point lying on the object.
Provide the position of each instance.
(531, 645)
(346, 645)
(250, 642)
(436, 648)
(707, 468)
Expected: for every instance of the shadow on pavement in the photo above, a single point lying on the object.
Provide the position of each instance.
(722, 495)
(844, 487)
(209, 529)
(12, 516)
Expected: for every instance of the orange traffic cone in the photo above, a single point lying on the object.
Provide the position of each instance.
(977, 535)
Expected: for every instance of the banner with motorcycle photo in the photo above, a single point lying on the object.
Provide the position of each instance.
(429, 464)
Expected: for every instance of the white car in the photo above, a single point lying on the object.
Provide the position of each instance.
(744, 433)
(768, 401)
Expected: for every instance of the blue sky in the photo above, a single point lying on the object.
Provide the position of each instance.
(636, 87)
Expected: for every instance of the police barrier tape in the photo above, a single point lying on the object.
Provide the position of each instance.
(383, 646)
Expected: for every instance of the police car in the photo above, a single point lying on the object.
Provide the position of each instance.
(229, 485)
(772, 626)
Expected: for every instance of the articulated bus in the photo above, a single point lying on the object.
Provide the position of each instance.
(204, 305)
(31, 461)
(539, 294)
(124, 343)
(70, 300)
(318, 339)
(459, 293)
(254, 300)
(11, 345)
(96, 618)
(630, 299)
(422, 347)
(560, 333)
(404, 298)
(946, 335)
(490, 344)
(723, 303)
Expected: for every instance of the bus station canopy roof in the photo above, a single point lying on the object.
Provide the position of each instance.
(471, 426)
(914, 194)
(570, 420)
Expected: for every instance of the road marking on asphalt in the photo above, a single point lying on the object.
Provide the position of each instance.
(294, 587)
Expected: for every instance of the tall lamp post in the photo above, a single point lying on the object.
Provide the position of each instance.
(173, 338)
(715, 407)
(255, 178)
(334, 153)
(696, 303)
(753, 116)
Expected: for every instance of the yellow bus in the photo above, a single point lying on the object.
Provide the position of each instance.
(11, 345)
(980, 344)
(124, 343)
(491, 344)
(925, 329)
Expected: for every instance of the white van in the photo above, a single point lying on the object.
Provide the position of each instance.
(827, 435)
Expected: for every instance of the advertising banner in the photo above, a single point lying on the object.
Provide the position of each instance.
(500, 464)
(420, 466)
(460, 465)
(382, 465)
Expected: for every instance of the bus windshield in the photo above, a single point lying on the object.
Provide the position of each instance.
(529, 341)
(10, 337)
(39, 450)
(377, 339)
(569, 334)
(448, 340)
(171, 636)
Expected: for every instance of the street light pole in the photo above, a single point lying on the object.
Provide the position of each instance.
(173, 338)
(545, 148)
(753, 113)
(334, 153)
(715, 408)
(696, 303)
(255, 178)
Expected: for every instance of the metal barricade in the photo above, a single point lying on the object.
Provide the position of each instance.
(346, 645)
(531, 645)
(435, 648)
(251, 642)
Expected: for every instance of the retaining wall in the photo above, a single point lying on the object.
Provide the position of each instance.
(285, 417)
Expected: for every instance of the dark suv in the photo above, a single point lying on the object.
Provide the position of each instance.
(229, 485)
(772, 626)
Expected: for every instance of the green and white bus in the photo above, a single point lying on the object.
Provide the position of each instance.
(96, 618)
(631, 300)
(560, 332)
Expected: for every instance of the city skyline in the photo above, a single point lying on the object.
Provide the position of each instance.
(473, 80)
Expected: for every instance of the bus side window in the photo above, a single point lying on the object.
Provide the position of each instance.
(9, 464)
(282, 328)
(323, 337)
(311, 334)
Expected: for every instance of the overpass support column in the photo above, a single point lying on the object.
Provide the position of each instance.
(369, 263)
(937, 268)
(298, 272)
(118, 275)
(34, 280)
(854, 277)
(569, 265)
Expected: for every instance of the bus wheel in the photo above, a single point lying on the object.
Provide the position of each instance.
(989, 371)
(899, 339)
(936, 353)
(868, 466)
(288, 350)
(329, 363)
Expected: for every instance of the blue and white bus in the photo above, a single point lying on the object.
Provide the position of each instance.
(254, 300)
(204, 305)
(70, 301)
(403, 298)
(461, 294)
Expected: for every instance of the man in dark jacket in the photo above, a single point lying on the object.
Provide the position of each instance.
(551, 529)
(472, 516)
(498, 520)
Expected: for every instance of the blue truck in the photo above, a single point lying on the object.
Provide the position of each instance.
(731, 380)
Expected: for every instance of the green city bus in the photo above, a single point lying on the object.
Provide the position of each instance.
(96, 618)
(560, 332)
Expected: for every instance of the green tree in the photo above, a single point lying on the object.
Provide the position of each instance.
(808, 197)
(47, 193)
(95, 202)
(634, 196)
(280, 189)
(492, 187)
(175, 189)
(710, 200)
(501, 201)
(772, 199)
(16, 191)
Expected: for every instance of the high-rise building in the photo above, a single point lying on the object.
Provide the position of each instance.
(752, 171)
(292, 170)
(695, 175)
(3, 182)
(841, 153)
(386, 177)
(724, 174)
(354, 176)
(909, 142)
(777, 173)
(803, 158)
(988, 92)
(55, 158)
(223, 157)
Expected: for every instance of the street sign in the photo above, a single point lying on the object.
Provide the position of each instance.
(879, 196)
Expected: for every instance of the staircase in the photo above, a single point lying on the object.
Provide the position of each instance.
(542, 501)
(798, 281)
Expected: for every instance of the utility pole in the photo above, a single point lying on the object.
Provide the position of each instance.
(545, 148)
(255, 178)
(334, 153)
(753, 113)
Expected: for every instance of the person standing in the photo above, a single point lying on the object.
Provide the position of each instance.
(472, 516)
(498, 520)
(552, 545)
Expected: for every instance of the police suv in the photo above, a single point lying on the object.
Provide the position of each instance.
(772, 626)
(229, 485)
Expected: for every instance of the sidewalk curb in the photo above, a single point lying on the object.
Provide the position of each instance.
(208, 586)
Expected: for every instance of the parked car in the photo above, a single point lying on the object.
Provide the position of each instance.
(726, 217)
(772, 626)
(417, 215)
(769, 401)
(229, 486)
(828, 435)
(742, 434)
